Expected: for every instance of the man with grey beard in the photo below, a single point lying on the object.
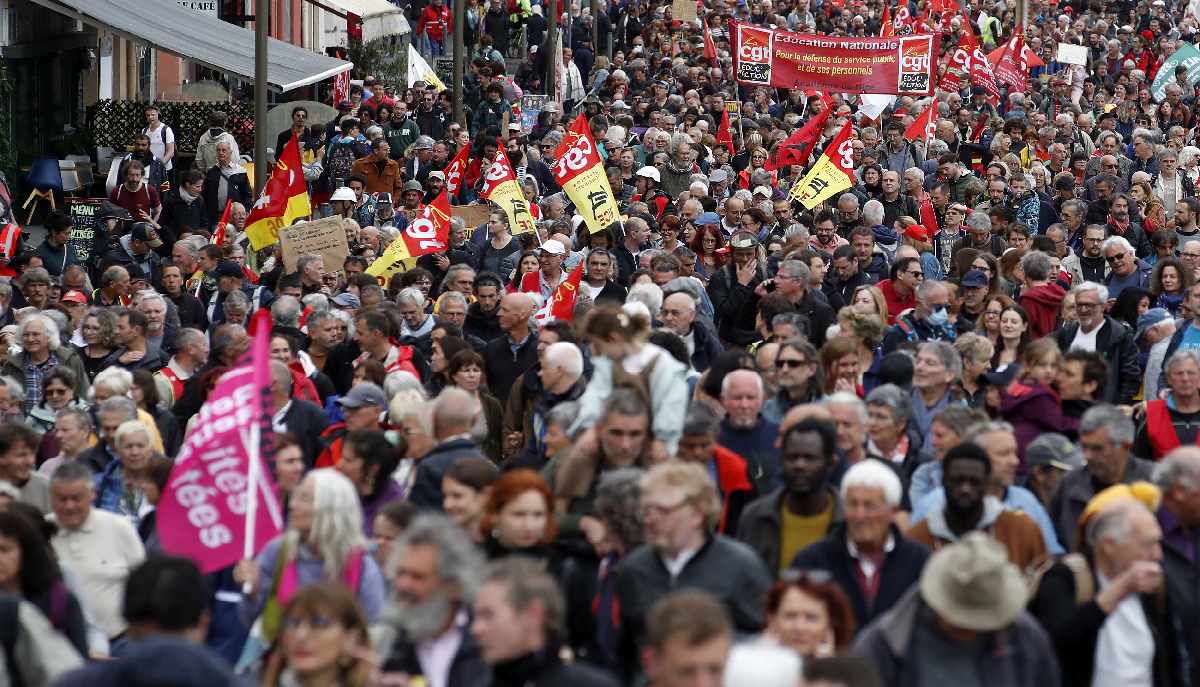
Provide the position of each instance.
(434, 570)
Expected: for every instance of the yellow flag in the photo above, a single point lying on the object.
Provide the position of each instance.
(834, 172)
(500, 186)
(578, 171)
(419, 70)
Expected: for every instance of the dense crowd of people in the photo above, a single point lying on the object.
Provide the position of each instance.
(938, 429)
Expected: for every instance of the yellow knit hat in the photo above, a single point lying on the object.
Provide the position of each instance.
(1147, 493)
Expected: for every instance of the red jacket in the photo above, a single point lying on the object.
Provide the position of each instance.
(436, 23)
(895, 302)
(733, 483)
(1042, 304)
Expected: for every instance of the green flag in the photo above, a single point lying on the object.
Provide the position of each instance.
(1187, 56)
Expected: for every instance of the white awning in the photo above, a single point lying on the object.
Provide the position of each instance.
(380, 18)
(203, 39)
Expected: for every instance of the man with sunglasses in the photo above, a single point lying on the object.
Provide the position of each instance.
(1127, 269)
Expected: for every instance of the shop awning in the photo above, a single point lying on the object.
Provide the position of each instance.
(203, 39)
(380, 18)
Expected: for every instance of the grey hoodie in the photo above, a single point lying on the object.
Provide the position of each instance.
(992, 508)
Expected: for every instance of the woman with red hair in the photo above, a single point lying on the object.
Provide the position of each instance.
(707, 241)
(808, 612)
(519, 518)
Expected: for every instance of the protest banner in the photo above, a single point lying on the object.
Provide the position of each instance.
(475, 216)
(1072, 54)
(429, 233)
(325, 237)
(1189, 58)
(898, 65)
(219, 505)
(85, 222)
(578, 171)
(683, 10)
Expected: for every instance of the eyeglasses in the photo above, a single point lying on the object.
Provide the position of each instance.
(1189, 255)
(1080, 305)
(781, 363)
(1116, 258)
(659, 511)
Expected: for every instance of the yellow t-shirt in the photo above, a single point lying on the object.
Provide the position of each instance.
(798, 531)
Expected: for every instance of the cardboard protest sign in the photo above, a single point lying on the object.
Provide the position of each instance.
(325, 237)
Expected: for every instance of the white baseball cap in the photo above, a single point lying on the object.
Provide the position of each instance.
(344, 193)
(650, 173)
(554, 247)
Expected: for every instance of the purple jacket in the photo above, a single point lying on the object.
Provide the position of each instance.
(372, 506)
(1034, 409)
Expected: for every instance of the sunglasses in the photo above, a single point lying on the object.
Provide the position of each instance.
(790, 363)
(1116, 258)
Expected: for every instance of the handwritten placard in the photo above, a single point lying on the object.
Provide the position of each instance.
(325, 237)
(474, 215)
(683, 10)
(85, 222)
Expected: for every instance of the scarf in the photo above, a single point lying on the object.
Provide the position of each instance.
(1119, 227)
(187, 197)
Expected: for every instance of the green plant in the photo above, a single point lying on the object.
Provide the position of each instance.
(385, 58)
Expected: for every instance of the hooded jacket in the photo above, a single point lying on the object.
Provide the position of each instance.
(1042, 304)
(1016, 531)
(1033, 409)
(887, 240)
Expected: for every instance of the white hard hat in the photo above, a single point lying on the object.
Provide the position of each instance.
(344, 193)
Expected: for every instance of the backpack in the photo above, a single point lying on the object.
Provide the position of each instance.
(341, 160)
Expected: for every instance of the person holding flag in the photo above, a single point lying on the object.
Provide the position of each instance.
(283, 201)
(833, 172)
(500, 187)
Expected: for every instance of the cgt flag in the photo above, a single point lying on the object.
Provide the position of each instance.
(833, 172)
(283, 201)
(562, 306)
(219, 489)
(724, 132)
(924, 126)
(456, 170)
(500, 186)
(578, 171)
(429, 233)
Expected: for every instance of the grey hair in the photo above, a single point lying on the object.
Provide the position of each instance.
(453, 272)
(1108, 417)
(71, 472)
(701, 419)
(946, 353)
(978, 348)
(1181, 356)
(1036, 265)
(1118, 241)
(304, 261)
(346, 320)
(458, 561)
(411, 295)
(796, 231)
(1112, 523)
(80, 414)
(117, 379)
(873, 212)
(618, 504)
(150, 295)
(51, 326)
(986, 427)
(873, 474)
(679, 141)
(845, 398)
(848, 197)
(1100, 289)
(285, 311)
(319, 303)
(1076, 206)
(566, 355)
(979, 220)
(1180, 467)
(926, 288)
(451, 296)
(337, 521)
(119, 404)
(562, 415)
(15, 389)
(59, 318)
(649, 295)
(894, 399)
(238, 298)
(797, 269)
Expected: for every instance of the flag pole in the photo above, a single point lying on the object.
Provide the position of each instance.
(253, 455)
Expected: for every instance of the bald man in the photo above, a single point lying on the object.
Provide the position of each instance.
(508, 356)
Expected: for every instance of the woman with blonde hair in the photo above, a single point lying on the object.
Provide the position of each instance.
(323, 641)
(868, 298)
(865, 328)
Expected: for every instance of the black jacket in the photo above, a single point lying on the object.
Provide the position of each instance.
(191, 311)
(427, 486)
(900, 571)
(1075, 489)
(1114, 341)
(483, 325)
(503, 367)
(735, 305)
(239, 191)
(545, 669)
(467, 668)
(819, 315)
(725, 568)
(708, 346)
(306, 421)
(1182, 575)
(1074, 629)
(177, 213)
(762, 521)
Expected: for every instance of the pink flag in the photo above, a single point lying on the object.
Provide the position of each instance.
(204, 507)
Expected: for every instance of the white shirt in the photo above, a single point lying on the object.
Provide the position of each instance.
(676, 564)
(437, 655)
(866, 564)
(102, 553)
(1086, 340)
(277, 423)
(592, 291)
(1125, 646)
(159, 138)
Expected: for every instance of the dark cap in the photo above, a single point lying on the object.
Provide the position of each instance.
(229, 268)
(974, 279)
(1053, 450)
(1003, 375)
(110, 210)
(143, 231)
(364, 394)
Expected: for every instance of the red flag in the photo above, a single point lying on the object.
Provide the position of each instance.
(10, 237)
(283, 201)
(724, 134)
(923, 126)
(710, 48)
(341, 87)
(457, 169)
(562, 305)
(886, 29)
(218, 237)
(219, 483)
(928, 216)
(810, 134)
(1011, 63)
(981, 69)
